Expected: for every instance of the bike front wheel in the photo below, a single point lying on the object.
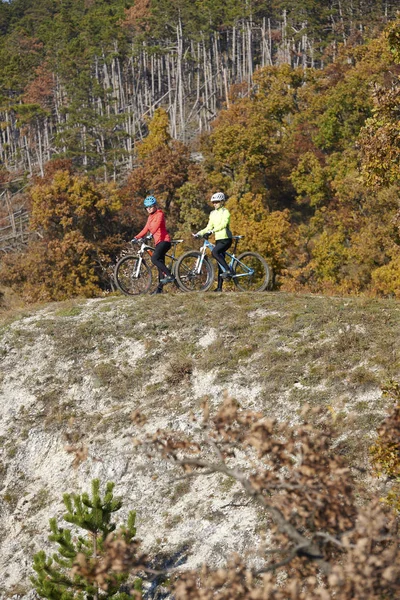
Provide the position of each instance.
(129, 280)
(190, 277)
(251, 272)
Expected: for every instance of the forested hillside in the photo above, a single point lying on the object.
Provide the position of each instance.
(78, 77)
(288, 107)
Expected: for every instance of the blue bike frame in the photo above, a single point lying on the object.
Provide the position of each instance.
(208, 245)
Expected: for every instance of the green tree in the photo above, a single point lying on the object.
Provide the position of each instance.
(82, 34)
(193, 209)
(18, 59)
(78, 569)
(4, 17)
(248, 138)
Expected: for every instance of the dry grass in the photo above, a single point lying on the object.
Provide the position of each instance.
(180, 370)
(86, 366)
(9, 301)
(296, 349)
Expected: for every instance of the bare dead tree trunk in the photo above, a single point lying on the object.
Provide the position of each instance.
(189, 78)
(234, 73)
(40, 149)
(342, 23)
(226, 87)
(179, 79)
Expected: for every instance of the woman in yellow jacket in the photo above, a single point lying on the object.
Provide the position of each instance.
(218, 224)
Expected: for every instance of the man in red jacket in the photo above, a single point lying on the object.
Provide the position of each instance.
(156, 226)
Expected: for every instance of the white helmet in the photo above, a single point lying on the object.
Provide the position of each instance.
(218, 197)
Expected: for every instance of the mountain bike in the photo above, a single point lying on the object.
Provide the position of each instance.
(195, 272)
(133, 273)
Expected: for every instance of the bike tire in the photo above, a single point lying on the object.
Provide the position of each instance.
(259, 281)
(187, 279)
(124, 276)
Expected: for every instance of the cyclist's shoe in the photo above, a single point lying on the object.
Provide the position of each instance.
(169, 279)
(217, 290)
(156, 291)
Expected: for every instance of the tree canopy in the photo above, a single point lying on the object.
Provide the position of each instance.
(306, 150)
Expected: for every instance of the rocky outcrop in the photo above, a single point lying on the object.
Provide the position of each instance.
(72, 374)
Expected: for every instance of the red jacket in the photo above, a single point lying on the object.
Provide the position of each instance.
(156, 226)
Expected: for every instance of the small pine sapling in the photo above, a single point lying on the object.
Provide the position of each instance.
(92, 565)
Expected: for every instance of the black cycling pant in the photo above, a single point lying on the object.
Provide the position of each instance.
(218, 252)
(158, 259)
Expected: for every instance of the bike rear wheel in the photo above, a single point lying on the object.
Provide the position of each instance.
(189, 280)
(128, 281)
(259, 280)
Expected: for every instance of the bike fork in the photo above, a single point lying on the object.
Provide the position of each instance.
(199, 263)
(137, 270)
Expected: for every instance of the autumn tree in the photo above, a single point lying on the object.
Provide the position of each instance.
(385, 450)
(349, 240)
(264, 231)
(79, 231)
(137, 16)
(247, 139)
(369, 570)
(349, 233)
(380, 139)
(162, 164)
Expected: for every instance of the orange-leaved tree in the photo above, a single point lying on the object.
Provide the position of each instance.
(269, 233)
(380, 138)
(162, 164)
(76, 220)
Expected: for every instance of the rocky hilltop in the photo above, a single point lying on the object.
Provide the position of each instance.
(71, 374)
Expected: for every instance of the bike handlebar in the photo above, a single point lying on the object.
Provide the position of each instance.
(205, 235)
(141, 240)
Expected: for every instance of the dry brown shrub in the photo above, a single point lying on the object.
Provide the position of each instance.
(323, 545)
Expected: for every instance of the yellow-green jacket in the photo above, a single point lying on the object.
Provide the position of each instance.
(218, 224)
